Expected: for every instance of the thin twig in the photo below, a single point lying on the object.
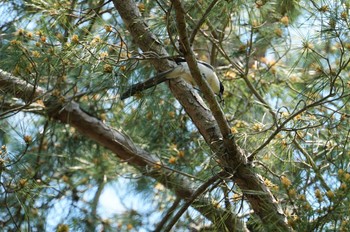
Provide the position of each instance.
(280, 127)
(201, 21)
(313, 164)
(168, 215)
(201, 189)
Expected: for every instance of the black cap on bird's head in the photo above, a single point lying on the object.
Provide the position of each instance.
(221, 93)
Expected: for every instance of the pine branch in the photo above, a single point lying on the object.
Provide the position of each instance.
(19, 88)
(233, 161)
(229, 223)
(168, 214)
(201, 21)
(188, 98)
(120, 144)
(259, 196)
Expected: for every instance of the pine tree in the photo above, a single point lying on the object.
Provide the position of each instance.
(273, 157)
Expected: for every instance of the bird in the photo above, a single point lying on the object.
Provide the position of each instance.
(181, 70)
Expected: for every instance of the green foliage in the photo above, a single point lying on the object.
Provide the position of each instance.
(294, 55)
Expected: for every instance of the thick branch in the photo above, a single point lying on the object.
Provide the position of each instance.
(259, 196)
(189, 99)
(233, 160)
(192, 63)
(120, 144)
(19, 88)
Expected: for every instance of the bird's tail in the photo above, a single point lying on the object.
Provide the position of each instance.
(138, 87)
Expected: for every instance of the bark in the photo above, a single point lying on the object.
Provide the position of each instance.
(149, 44)
(122, 146)
(232, 158)
(19, 88)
